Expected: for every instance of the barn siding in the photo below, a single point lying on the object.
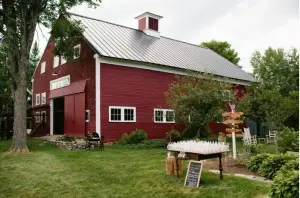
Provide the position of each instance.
(140, 88)
(79, 69)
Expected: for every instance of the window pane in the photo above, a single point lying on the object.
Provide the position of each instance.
(170, 116)
(158, 115)
(115, 114)
(128, 114)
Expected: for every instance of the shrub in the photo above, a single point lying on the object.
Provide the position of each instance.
(135, 137)
(173, 135)
(287, 140)
(256, 161)
(274, 163)
(291, 165)
(286, 184)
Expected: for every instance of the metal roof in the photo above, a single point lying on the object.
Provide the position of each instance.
(116, 41)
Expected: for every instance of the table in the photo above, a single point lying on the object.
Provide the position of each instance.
(198, 157)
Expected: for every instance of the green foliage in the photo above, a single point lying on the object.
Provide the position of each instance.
(256, 161)
(275, 98)
(277, 69)
(288, 140)
(135, 137)
(64, 34)
(199, 99)
(274, 163)
(291, 165)
(286, 184)
(173, 136)
(224, 49)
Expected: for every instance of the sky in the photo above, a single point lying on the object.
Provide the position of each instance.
(248, 25)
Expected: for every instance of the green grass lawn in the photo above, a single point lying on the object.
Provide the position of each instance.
(115, 172)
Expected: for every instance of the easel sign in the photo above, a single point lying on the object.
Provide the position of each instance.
(192, 178)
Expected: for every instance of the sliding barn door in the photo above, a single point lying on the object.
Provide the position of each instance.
(69, 117)
(79, 114)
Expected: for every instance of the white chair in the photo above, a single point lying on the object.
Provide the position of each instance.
(271, 137)
(247, 138)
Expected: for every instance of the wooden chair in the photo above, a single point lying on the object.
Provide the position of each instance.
(271, 137)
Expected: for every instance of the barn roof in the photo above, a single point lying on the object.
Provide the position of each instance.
(116, 41)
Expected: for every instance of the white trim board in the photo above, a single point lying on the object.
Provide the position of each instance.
(160, 68)
(98, 93)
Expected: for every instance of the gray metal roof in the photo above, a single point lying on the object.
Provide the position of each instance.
(116, 41)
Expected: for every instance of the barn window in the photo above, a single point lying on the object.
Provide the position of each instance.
(44, 98)
(63, 60)
(87, 115)
(153, 24)
(122, 114)
(37, 99)
(56, 61)
(37, 117)
(77, 51)
(43, 67)
(164, 116)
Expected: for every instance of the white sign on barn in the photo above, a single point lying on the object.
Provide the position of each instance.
(60, 82)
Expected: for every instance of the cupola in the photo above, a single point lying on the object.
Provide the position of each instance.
(149, 23)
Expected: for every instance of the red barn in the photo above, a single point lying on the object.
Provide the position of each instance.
(117, 79)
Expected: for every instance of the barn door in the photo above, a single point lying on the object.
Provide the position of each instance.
(69, 117)
(79, 114)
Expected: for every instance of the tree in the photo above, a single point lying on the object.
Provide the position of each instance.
(222, 48)
(277, 69)
(18, 21)
(275, 98)
(199, 99)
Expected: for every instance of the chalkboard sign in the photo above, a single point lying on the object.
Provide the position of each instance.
(193, 174)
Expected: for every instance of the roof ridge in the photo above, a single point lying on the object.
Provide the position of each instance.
(135, 29)
(102, 21)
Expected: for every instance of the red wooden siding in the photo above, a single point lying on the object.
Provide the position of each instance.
(142, 24)
(79, 115)
(143, 89)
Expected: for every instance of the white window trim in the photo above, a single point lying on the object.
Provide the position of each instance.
(44, 96)
(55, 61)
(77, 46)
(37, 117)
(88, 115)
(122, 113)
(42, 116)
(164, 115)
(43, 67)
(37, 101)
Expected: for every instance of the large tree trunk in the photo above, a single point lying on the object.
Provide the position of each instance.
(19, 143)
